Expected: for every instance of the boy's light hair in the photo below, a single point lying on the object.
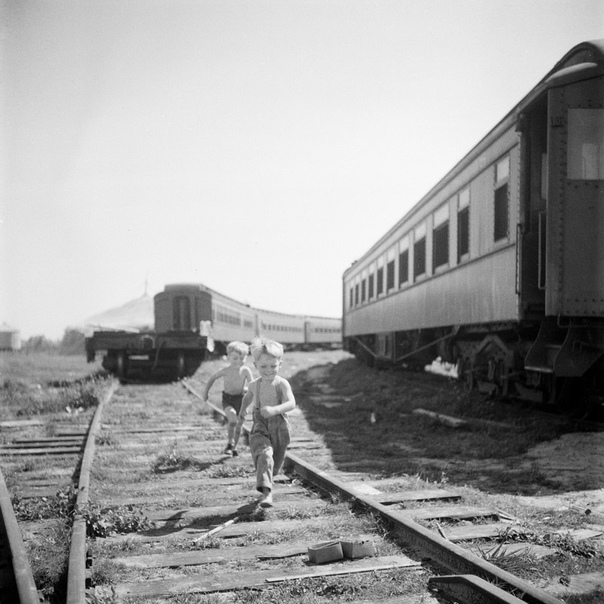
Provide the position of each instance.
(240, 347)
(262, 346)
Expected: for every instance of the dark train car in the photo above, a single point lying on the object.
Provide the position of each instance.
(191, 320)
(174, 349)
(500, 267)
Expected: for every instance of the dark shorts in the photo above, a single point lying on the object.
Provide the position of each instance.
(232, 400)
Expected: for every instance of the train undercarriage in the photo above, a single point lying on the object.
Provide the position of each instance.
(540, 362)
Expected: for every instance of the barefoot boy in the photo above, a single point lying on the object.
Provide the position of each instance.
(236, 377)
(272, 398)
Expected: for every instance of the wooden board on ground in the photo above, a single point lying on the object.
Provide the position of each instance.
(421, 495)
(208, 556)
(456, 513)
(225, 581)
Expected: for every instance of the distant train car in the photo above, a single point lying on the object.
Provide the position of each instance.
(322, 332)
(500, 267)
(192, 319)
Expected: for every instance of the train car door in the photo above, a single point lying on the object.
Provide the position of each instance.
(532, 230)
(575, 251)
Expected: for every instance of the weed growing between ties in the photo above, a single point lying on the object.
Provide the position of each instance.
(60, 505)
(22, 400)
(107, 521)
(48, 556)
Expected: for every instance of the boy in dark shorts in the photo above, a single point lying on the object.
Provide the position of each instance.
(236, 377)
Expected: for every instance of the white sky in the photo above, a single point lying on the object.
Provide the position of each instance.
(258, 147)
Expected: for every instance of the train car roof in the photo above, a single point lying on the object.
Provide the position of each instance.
(205, 288)
(581, 62)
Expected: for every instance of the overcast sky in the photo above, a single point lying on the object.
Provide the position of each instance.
(257, 147)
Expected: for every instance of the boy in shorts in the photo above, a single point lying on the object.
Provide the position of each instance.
(236, 377)
(272, 398)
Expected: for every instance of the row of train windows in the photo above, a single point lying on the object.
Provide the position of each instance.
(221, 316)
(270, 327)
(382, 278)
(327, 330)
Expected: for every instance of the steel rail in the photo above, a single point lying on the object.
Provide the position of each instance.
(444, 553)
(24, 578)
(76, 571)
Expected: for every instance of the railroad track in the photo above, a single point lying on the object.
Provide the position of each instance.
(45, 472)
(167, 514)
(206, 536)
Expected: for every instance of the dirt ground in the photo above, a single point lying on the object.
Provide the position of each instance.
(560, 460)
(563, 462)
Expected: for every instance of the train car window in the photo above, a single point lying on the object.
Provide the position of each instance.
(463, 225)
(501, 213)
(403, 267)
(390, 275)
(501, 218)
(371, 286)
(440, 237)
(585, 154)
(419, 251)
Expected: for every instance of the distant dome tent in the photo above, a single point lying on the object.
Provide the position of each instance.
(136, 315)
(10, 338)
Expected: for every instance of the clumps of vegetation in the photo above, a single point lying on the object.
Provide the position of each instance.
(104, 522)
(60, 505)
(49, 558)
(71, 397)
(173, 462)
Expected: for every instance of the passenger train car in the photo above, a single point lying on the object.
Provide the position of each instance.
(191, 320)
(499, 268)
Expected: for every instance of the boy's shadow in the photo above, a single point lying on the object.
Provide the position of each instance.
(177, 522)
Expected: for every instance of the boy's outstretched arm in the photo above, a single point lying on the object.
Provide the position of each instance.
(213, 378)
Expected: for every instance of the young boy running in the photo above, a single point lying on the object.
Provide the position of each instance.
(272, 398)
(236, 377)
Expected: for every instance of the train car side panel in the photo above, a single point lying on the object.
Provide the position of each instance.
(477, 292)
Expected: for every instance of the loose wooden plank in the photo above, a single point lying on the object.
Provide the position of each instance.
(208, 556)
(41, 444)
(421, 495)
(42, 451)
(455, 513)
(453, 422)
(478, 531)
(225, 581)
(21, 423)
